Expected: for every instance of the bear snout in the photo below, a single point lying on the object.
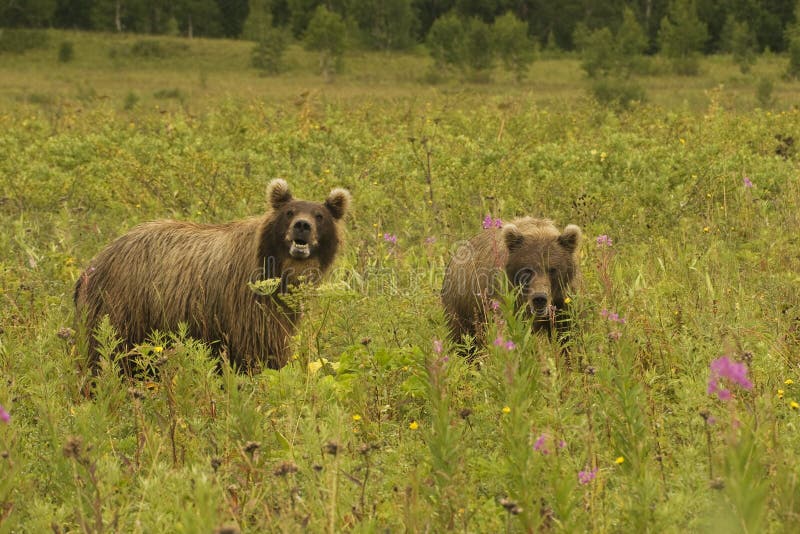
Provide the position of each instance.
(301, 236)
(540, 303)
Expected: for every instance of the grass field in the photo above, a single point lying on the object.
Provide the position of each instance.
(369, 428)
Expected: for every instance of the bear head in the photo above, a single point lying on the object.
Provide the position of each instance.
(542, 263)
(299, 234)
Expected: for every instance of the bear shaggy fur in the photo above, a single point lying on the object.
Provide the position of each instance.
(165, 272)
(539, 262)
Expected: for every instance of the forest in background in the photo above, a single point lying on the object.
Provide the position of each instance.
(401, 24)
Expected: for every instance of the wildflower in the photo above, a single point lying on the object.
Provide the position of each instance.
(562, 444)
(4, 415)
(619, 460)
(567, 300)
(494, 305)
(506, 409)
(488, 222)
(413, 425)
(540, 445)
(793, 405)
(706, 229)
(732, 372)
(390, 238)
(158, 350)
(584, 477)
(430, 240)
(604, 241)
(788, 381)
(509, 345)
(356, 417)
(747, 183)
(780, 393)
(604, 313)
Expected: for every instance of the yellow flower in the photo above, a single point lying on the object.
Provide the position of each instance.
(413, 425)
(603, 156)
(780, 393)
(356, 417)
(619, 460)
(793, 405)
(567, 300)
(506, 409)
(706, 229)
(158, 350)
(682, 140)
(788, 381)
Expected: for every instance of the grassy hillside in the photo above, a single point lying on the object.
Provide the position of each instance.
(369, 427)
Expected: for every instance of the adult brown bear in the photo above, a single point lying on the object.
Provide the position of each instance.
(537, 260)
(168, 272)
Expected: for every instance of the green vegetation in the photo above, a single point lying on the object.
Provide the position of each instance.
(688, 202)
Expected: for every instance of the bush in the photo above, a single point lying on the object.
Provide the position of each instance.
(446, 41)
(617, 92)
(267, 54)
(682, 35)
(148, 49)
(15, 41)
(66, 52)
(326, 34)
(513, 45)
(764, 92)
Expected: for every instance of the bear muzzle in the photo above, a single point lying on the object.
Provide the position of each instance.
(302, 238)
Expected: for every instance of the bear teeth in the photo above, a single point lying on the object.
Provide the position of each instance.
(299, 249)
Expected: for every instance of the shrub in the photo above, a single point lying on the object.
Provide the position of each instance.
(267, 54)
(16, 41)
(66, 52)
(513, 45)
(764, 92)
(682, 35)
(148, 49)
(326, 34)
(617, 92)
(446, 41)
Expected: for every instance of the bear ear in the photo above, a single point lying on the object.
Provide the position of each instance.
(278, 193)
(337, 202)
(512, 237)
(570, 238)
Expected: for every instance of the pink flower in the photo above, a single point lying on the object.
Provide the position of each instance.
(747, 183)
(430, 240)
(724, 370)
(437, 346)
(494, 305)
(604, 241)
(488, 222)
(604, 313)
(4, 415)
(390, 238)
(510, 345)
(540, 445)
(584, 477)
(498, 342)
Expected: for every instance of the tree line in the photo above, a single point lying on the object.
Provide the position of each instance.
(401, 24)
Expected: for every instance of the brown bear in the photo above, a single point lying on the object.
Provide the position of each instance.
(537, 260)
(167, 272)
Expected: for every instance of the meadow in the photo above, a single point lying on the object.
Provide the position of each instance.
(689, 206)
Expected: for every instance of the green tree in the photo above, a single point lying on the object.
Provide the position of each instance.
(793, 37)
(258, 22)
(386, 24)
(515, 49)
(742, 46)
(479, 49)
(326, 34)
(682, 36)
(27, 14)
(446, 41)
(631, 38)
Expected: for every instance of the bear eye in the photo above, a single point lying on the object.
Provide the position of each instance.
(290, 214)
(524, 276)
(318, 217)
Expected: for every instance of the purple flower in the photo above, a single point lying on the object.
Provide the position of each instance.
(584, 477)
(604, 313)
(390, 238)
(488, 222)
(540, 445)
(604, 241)
(430, 240)
(747, 183)
(509, 345)
(562, 444)
(498, 341)
(437, 346)
(732, 372)
(494, 305)
(4, 415)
